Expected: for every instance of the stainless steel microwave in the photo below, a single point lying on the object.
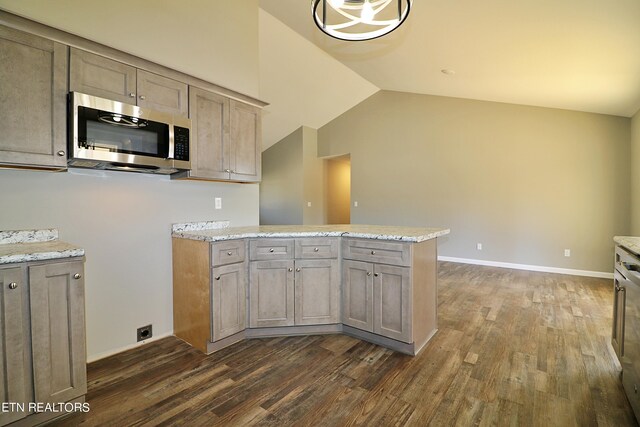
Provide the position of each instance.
(105, 134)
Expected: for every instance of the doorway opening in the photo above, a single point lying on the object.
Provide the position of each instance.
(338, 189)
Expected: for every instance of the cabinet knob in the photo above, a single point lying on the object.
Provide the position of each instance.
(13, 285)
(373, 252)
(132, 95)
(77, 276)
(227, 170)
(61, 153)
(368, 273)
(217, 277)
(298, 269)
(142, 97)
(375, 274)
(290, 269)
(271, 250)
(315, 249)
(229, 253)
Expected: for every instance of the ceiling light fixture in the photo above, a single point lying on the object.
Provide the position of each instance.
(356, 20)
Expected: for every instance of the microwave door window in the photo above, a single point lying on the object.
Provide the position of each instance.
(96, 133)
(104, 137)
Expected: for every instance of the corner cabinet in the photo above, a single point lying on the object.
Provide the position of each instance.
(226, 138)
(33, 106)
(42, 342)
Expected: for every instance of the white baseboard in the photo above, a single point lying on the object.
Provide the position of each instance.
(600, 274)
(99, 356)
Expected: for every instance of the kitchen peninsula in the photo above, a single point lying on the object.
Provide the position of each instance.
(377, 283)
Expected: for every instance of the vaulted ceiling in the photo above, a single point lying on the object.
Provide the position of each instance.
(572, 54)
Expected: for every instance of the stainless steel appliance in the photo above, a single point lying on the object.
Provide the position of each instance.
(627, 283)
(105, 134)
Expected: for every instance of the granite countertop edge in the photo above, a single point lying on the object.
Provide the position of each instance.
(231, 234)
(630, 243)
(34, 245)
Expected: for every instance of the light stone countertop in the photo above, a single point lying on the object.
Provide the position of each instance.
(34, 245)
(629, 242)
(378, 232)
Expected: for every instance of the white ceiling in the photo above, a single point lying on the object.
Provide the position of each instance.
(573, 54)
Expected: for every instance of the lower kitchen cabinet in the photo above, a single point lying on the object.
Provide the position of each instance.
(617, 330)
(43, 334)
(271, 294)
(209, 292)
(317, 291)
(228, 300)
(377, 298)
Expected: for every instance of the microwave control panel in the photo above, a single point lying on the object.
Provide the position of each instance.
(180, 143)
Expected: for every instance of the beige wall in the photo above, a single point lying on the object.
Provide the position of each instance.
(526, 182)
(635, 175)
(338, 190)
(282, 190)
(123, 219)
(313, 179)
(293, 177)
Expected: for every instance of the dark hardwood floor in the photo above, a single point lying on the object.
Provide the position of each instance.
(513, 348)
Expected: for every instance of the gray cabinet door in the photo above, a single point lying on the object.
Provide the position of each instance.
(15, 378)
(57, 331)
(228, 300)
(357, 294)
(245, 153)
(33, 107)
(392, 302)
(96, 75)
(162, 94)
(617, 332)
(271, 294)
(209, 115)
(317, 291)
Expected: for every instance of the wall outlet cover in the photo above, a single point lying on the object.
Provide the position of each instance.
(145, 332)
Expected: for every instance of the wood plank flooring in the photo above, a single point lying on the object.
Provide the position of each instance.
(514, 348)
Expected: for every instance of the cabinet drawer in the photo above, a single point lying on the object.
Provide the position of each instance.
(394, 253)
(268, 249)
(227, 252)
(321, 247)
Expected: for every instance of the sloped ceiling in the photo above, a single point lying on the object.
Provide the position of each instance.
(302, 84)
(573, 54)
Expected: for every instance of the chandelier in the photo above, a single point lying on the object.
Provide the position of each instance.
(355, 20)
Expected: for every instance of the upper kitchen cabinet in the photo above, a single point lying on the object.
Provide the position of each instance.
(226, 138)
(96, 75)
(33, 87)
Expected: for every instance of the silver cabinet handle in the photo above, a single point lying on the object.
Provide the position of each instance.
(132, 95)
(298, 269)
(61, 153)
(373, 252)
(229, 253)
(227, 170)
(368, 273)
(290, 269)
(142, 97)
(77, 276)
(13, 285)
(315, 249)
(271, 250)
(217, 277)
(375, 274)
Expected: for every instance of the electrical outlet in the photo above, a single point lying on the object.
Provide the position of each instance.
(355, 204)
(479, 246)
(308, 204)
(218, 201)
(145, 332)
(567, 252)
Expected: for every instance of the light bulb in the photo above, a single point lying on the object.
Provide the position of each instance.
(367, 12)
(336, 3)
